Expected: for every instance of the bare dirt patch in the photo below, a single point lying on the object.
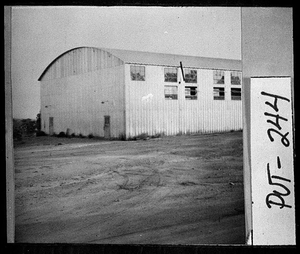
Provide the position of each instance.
(171, 190)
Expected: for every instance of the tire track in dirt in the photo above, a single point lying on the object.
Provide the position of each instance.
(143, 188)
(115, 191)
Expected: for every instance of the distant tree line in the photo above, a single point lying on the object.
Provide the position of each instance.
(26, 127)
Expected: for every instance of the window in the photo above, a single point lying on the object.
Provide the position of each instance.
(137, 73)
(236, 94)
(219, 93)
(170, 74)
(235, 78)
(171, 92)
(218, 77)
(191, 93)
(190, 76)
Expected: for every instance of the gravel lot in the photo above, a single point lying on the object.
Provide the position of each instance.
(169, 190)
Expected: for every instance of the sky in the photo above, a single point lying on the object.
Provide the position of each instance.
(40, 34)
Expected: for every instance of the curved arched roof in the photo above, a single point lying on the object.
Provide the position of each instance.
(149, 58)
(55, 59)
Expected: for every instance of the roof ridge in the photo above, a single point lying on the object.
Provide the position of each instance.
(169, 54)
(162, 59)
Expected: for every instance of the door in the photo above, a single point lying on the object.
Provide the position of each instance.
(51, 128)
(107, 127)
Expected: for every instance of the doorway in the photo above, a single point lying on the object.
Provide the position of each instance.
(107, 127)
(51, 128)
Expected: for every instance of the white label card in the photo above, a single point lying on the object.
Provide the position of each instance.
(272, 166)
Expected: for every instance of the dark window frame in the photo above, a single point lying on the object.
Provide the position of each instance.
(235, 78)
(136, 74)
(192, 93)
(219, 81)
(170, 76)
(221, 91)
(171, 96)
(190, 76)
(235, 97)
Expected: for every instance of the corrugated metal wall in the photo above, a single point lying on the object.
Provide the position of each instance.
(80, 89)
(83, 85)
(80, 60)
(147, 110)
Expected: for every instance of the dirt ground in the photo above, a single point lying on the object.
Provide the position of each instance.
(169, 190)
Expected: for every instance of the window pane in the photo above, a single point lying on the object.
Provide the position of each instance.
(191, 93)
(190, 76)
(236, 94)
(235, 78)
(219, 93)
(218, 77)
(170, 74)
(137, 73)
(171, 92)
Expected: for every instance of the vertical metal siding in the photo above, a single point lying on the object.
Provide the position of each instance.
(74, 87)
(160, 115)
(80, 61)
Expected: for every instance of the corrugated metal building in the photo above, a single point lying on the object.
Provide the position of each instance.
(122, 94)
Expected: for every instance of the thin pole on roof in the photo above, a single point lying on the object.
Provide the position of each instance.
(182, 71)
